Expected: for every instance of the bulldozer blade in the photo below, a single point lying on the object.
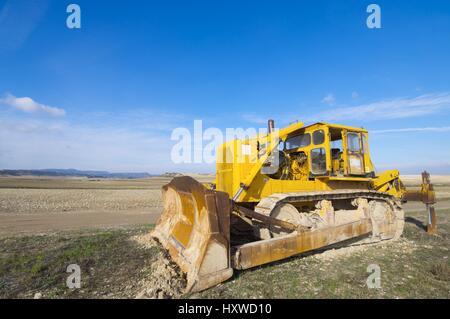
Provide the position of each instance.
(194, 227)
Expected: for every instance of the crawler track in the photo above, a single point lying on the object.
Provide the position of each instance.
(267, 204)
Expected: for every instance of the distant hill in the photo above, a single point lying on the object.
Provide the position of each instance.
(171, 174)
(71, 173)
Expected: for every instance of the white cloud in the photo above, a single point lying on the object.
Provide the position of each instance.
(28, 105)
(413, 129)
(102, 143)
(43, 144)
(355, 95)
(329, 99)
(388, 109)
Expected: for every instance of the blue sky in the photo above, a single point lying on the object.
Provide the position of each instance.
(107, 96)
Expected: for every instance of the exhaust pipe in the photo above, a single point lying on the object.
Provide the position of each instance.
(270, 126)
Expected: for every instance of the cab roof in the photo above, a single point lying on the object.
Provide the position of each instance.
(336, 126)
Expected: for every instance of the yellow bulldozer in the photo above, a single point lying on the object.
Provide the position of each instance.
(280, 194)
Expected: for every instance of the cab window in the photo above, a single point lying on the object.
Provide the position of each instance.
(318, 137)
(318, 161)
(298, 141)
(353, 142)
(364, 143)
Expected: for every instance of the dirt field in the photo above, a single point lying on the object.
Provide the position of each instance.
(47, 224)
(37, 205)
(30, 205)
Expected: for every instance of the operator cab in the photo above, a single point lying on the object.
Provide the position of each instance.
(324, 149)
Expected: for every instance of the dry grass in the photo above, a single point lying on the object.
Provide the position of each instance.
(112, 265)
